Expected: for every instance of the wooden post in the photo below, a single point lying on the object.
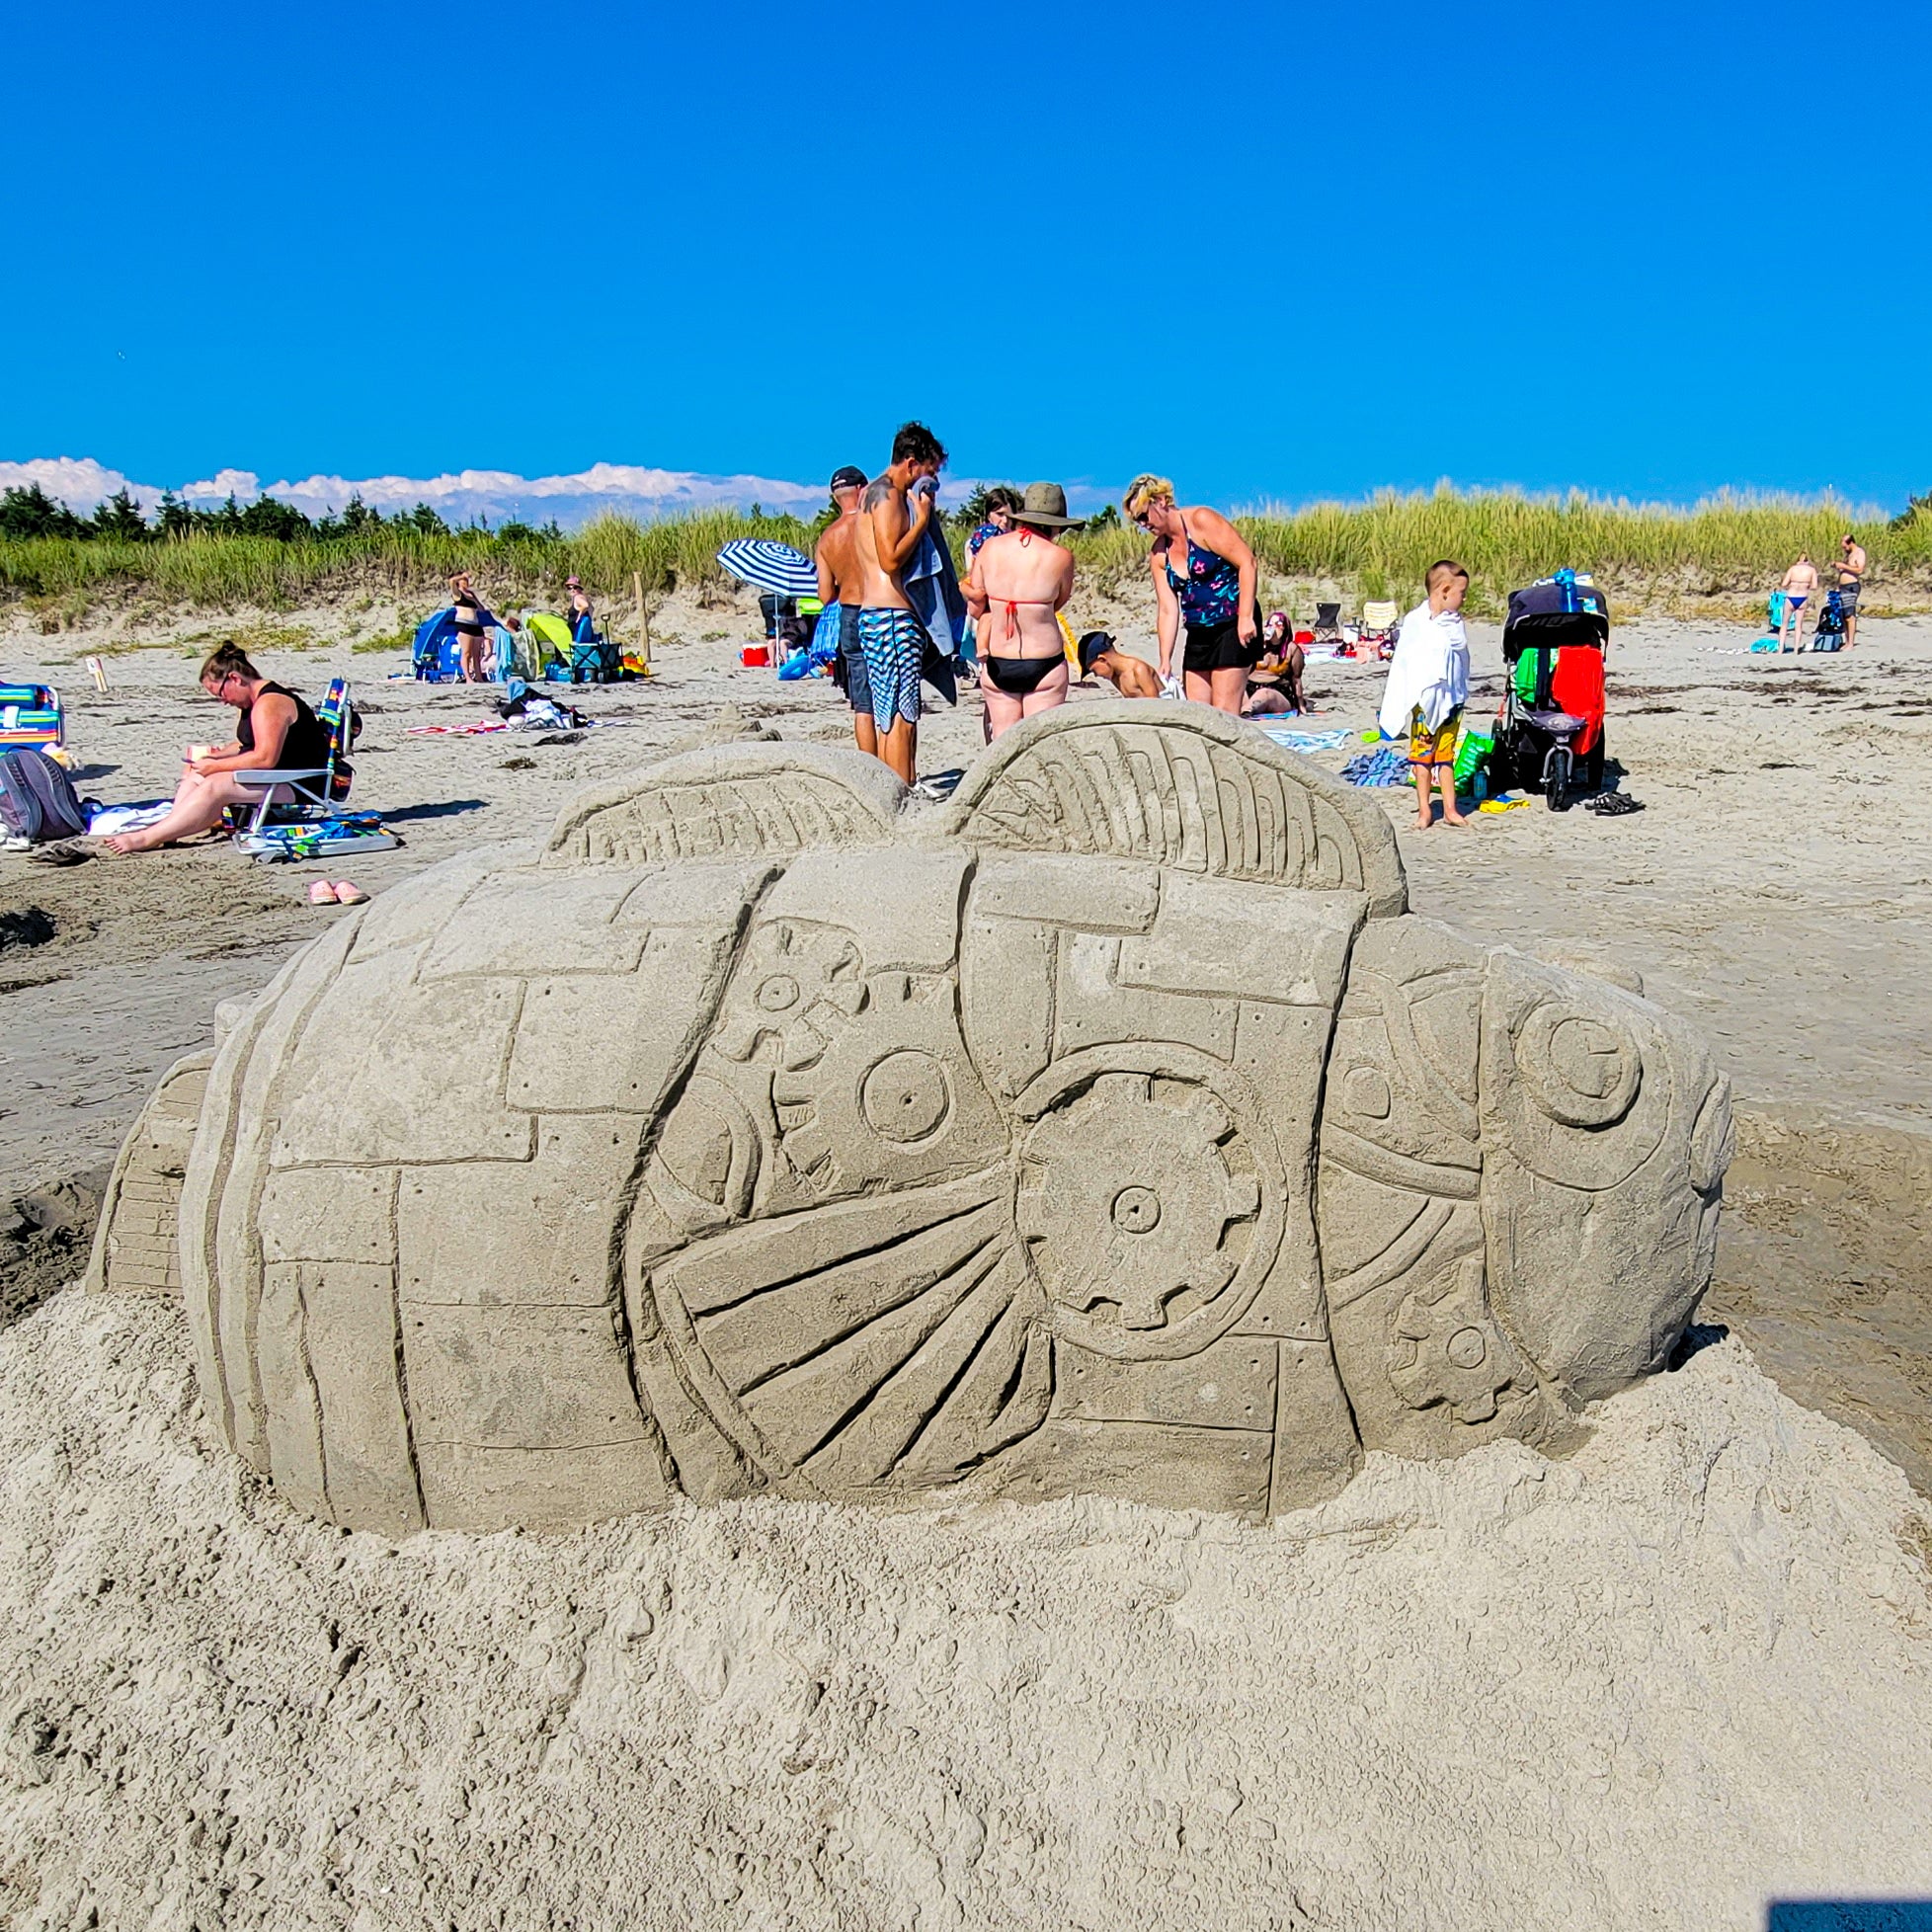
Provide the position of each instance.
(643, 621)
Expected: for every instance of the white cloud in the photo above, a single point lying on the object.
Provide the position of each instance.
(78, 481)
(459, 497)
(625, 488)
(243, 484)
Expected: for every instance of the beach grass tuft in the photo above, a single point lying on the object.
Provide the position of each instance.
(1647, 553)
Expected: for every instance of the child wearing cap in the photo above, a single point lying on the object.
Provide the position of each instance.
(1131, 677)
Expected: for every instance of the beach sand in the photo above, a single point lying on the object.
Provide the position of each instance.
(1500, 1690)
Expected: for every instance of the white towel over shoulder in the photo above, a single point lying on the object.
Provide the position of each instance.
(1429, 671)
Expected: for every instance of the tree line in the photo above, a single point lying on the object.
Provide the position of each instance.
(31, 513)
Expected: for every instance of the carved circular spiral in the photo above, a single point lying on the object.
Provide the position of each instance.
(1582, 1068)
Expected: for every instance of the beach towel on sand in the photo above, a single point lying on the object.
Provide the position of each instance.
(1387, 765)
(1306, 741)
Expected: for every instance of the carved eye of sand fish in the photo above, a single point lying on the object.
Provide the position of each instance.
(1114, 1128)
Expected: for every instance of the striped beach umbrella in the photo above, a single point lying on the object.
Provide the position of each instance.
(770, 566)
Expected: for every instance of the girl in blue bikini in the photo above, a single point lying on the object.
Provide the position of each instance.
(1204, 579)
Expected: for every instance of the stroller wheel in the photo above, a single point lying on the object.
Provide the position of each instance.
(1594, 765)
(1556, 778)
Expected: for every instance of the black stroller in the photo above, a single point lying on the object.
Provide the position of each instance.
(1554, 642)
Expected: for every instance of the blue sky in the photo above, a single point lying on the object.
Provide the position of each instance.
(1275, 250)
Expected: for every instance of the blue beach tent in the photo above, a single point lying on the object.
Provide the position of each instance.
(438, 652)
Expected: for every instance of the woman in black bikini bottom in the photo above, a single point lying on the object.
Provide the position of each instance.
(469, 616)
(1018, 584)
(1023, 677)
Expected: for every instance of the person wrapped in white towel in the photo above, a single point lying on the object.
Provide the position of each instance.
(1428, 685)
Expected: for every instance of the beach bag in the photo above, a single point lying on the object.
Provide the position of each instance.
(38, 800)
(1472, 754)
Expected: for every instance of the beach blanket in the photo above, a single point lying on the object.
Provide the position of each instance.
(537, 716)
(1307, 741)
(296, 844)
(1387, 765)
(127, 818)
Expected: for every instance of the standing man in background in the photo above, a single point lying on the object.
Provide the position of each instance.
(837, 558)
(1852, 566)
(895, 516)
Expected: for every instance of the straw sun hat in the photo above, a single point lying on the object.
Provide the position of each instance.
(1045, 504)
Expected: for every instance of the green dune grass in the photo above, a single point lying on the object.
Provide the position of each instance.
(1641, 553)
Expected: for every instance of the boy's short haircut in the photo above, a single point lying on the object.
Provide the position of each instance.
(914, 442)
(1441, 571)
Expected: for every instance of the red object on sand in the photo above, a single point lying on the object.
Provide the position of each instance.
(1577, 687)
(755, 655)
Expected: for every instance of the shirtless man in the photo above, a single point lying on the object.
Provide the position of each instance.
(1801, 579)
(1852, 566)
(837, 557)
(1018, 583)
(891, 638)
(1131, 677)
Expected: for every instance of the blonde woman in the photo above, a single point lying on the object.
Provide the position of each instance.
(1204, 580)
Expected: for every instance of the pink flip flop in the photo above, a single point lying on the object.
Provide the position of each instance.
(350, 895)
(322, 893)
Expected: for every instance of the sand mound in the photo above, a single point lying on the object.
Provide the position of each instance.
(1685, 1672)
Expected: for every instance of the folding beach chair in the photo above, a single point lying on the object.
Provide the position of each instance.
(1379, 628)
(303, 808)
(30, 714)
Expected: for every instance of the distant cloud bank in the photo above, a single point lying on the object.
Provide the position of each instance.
(604, 488)
(625, 489)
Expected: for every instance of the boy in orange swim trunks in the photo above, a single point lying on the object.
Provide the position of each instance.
(1428, 685)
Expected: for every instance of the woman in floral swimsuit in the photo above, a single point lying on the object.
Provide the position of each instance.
(1203, 578)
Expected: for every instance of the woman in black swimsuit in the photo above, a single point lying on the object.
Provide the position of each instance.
(1204, 577)
(278, 732)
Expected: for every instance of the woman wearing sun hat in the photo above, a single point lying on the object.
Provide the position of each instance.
(1018, 582)
(1204, 580)
(583, 624)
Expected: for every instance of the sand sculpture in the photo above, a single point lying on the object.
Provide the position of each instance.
(1114, 1128)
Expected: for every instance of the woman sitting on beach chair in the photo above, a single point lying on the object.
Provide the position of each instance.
(278, 732)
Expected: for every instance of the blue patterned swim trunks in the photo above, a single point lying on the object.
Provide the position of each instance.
(893, 642)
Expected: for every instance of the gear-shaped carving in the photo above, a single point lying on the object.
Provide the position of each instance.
(1445, 1345)
(796, 987)
(1133, 1192)
(890, 1100)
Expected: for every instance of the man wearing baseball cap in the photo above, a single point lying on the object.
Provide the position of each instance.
(839, 582)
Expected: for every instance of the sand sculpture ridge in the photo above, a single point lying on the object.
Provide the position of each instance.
(1116, 1129)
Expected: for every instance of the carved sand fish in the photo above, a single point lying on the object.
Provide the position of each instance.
(1114, 1128)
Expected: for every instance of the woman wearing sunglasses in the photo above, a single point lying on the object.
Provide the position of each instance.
(278, 732)
(1203, 580)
